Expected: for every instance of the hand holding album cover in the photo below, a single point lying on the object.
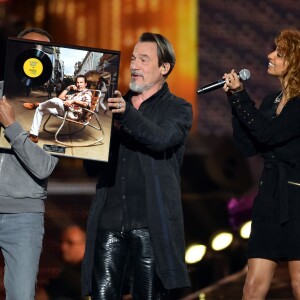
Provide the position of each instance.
(59, 95)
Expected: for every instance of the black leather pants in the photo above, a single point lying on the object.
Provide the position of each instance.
(116, 253)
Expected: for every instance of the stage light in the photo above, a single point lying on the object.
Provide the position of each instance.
(194, 253)
(221, 241)
(245, 230)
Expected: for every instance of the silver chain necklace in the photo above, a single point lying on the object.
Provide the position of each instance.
(278, 98)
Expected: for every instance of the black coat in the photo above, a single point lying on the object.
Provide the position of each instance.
(161, 125)
(275, 232)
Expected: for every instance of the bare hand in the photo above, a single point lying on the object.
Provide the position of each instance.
(232, 82)
(72, 87)
(7, 114)
(68, 103)
(117, 104)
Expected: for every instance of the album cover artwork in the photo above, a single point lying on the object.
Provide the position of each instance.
(59, 94)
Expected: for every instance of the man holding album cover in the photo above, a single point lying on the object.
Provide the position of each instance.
(135, 225)
(24, 170)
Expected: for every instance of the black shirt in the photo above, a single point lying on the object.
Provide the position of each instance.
(125, 207)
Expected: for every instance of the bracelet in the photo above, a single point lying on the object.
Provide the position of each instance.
(67, 89)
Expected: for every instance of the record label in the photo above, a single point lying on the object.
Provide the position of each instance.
(33, 67)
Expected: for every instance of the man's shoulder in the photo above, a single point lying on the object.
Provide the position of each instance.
(168, 95)
(173, 99)
(85, 92)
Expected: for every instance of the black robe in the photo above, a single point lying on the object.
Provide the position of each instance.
(161, 128)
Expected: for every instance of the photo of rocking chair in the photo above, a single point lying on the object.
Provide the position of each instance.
(89, 116)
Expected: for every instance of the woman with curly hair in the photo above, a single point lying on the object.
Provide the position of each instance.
(273, 131)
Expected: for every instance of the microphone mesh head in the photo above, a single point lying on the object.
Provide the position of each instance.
(244, 74)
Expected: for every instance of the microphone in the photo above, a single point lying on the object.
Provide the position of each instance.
(243, 74)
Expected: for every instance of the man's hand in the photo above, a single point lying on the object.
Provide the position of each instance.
(117, 104)
(68, 102)
(72, 87)
(7, 114)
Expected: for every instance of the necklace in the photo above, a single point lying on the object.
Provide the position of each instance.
(279, 105)
(278, 98)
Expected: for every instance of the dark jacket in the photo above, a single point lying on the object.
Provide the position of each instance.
(277, 139)
(161, 125)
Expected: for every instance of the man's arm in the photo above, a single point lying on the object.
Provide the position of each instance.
(86, 100)
(64, 93)
(77, 102)
(35, 159)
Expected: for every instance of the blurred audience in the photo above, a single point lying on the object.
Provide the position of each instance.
(67, 286)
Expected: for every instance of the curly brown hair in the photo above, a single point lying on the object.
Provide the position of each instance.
(288, 41)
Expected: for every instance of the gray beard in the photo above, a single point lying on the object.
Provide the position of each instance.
(139, 88)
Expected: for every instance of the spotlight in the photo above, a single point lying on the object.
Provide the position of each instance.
(194, 253)
(245, 230)
(221, 241)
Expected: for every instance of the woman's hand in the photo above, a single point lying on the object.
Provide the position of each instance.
(232, 82)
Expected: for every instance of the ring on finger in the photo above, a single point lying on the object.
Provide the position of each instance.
(119, 105)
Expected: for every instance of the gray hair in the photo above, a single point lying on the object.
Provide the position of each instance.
(165, 51)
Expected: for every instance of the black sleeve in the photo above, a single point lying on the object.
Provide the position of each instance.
(171, 131)
(242, 138)
(267, 131)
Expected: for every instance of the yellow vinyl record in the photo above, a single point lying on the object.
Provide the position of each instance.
(33, 67)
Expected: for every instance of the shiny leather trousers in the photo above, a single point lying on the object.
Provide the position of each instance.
(119, 254)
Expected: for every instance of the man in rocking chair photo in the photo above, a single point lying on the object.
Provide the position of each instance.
(72, 99)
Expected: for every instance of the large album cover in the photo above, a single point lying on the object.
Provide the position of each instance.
(59, 94)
